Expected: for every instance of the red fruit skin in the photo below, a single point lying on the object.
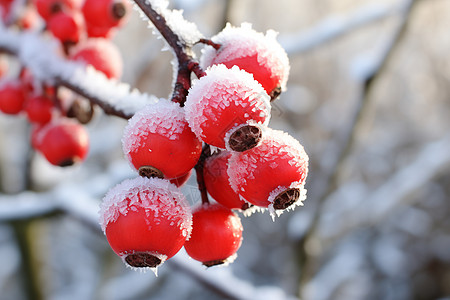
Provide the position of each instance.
(102, 54)
(217, 183)
(12, 98)
(137, 232)
(173, 158)
(99, 13)
(216, 234)
(250, 64)
(180, 181)
(66, 27)
(47, 8)
(39, 109)
(259, 171)
(63, 142)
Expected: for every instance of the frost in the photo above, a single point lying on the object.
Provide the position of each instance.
(222, 89)
(187, 31)
(160, 196)
(164, 118)
(243, 41)
(277, 212)
(276, 147)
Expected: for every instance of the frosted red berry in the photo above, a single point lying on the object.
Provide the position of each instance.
(252, 51)
(273, 174)
(63, 142)
(145, 220)
(12, 97)
(158, 140)
(105, 13)
(180, 181)
(47, 8)
(39, 109)
(66, 27)
(217, 181)
(100, 53)
(216, 235)
(227, 108)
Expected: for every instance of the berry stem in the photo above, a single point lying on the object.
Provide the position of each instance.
(210, 43)
(206, 152)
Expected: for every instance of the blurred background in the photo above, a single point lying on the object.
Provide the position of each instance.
(369, 98)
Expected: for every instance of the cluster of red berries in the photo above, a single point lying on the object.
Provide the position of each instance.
(147, 219)
(83, 29)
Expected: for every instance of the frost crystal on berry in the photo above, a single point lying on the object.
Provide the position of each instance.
(252, 51)
(272, 174)
(222, 101)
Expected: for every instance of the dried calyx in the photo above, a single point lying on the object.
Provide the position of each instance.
(286, 198)
(142, 260)
(149, 172)
(245, 138)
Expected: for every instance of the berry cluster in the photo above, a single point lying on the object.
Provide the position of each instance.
(147, 219)
(83, 29)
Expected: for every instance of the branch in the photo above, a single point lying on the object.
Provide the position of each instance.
(346, 139)
(180, 36)
(336, 26)
(40, 56)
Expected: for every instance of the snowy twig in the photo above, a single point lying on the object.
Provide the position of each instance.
(41, 56)
(345, 140)
(169, 24)
(336, 26)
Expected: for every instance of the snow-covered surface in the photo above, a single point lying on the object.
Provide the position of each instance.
(243, 41)
(186, 30)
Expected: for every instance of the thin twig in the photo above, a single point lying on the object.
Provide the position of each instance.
(347, 142)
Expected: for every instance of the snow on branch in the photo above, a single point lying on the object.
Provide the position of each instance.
(42, 56)
(335, 26)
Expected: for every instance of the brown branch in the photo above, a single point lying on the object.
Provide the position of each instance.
(206, 152)
(346, 142)
(182, 50)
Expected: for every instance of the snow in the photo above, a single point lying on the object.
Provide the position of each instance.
(161, 197)
(243, 41)
(164, 118)
(221, 88)
(186, 30)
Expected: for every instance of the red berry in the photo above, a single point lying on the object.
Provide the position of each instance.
(227, 107)
(28, 19)
(179, 181)
(258, 54)
(63, 142)
(216, 235)
(39, 109)
(145, 220)
(271, 175)
(47, 8)
(217, 181)
(3, 66)
(105, 13)
(158, 137)
(100, 53)
(12, 97)
(66, 27)
(101, 32)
